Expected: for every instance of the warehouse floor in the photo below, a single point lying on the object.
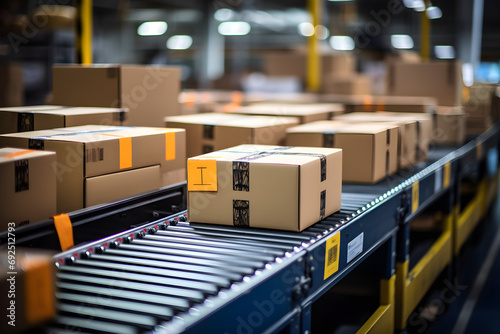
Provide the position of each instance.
(473, 306)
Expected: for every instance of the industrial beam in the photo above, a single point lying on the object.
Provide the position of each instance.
(425, 34)
(83, 31)
(313, 78)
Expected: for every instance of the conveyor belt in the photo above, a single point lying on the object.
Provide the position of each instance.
(144, 277)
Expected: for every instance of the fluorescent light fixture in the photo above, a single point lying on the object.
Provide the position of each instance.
(402, 41)
(417, 5)
(234, 28)
(224, 14)
(322, 32)
(468, 74)
(342, 43)
(444, 51)
(152, 28)
(434, 12)
(305, 29)
(179, 42)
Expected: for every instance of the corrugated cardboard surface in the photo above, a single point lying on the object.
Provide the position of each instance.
(439, 79)
(11, 85)
(88, 151)
(354, 84)
(32, 118)
(305, 112)
(449, 126)
(283, 190)
(111, 187)
(28, 186)
(149, 92)
(408, 133)
(215, 131)
(370, 151)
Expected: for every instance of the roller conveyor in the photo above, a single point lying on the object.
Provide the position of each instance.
(173, 265)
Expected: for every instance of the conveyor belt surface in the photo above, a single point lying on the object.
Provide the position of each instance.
(141, 278)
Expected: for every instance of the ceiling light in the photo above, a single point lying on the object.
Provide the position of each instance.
(444, 51)
(179, 42)
(434, 12)
(234, 28)
(224, 14)
(305, 29)
(322, 32)
(402, 41)
(152, 28)
(342, 43)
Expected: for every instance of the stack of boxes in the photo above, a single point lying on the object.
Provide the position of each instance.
(482, 107)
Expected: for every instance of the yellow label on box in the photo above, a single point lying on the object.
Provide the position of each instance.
(202, 174)
(170, 146)
(447, 170)
(332, 251)
(414, 197)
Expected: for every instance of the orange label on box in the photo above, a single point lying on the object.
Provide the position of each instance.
(170, 146)
(16, 154)
(125, 152)
(202, 174)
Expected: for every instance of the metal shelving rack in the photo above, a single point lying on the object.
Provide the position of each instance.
(168, 275)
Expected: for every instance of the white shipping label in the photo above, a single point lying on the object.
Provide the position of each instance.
(438, 179)
(355, 247)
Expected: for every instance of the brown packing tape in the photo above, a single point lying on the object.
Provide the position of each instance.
(64, 230)
(39, 289)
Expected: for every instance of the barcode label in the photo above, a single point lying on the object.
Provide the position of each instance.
(332, 250)
(332, 255)
(95, 154)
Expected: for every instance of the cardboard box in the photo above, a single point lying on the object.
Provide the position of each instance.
(294, 63)
(448, 126)
(29, 300)
(354, 84)
(439, 79)
(110, 187)
(89, 151)
(306, 113)
(370, 151)
(214, 131)
(408, 134)
(373, 103)
(149, 92)
(30, 118)
(286, 188)
(28, 191)
(11, 85)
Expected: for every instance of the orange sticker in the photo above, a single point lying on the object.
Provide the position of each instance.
(170, 146)
(202, 174)
(64, 230)
(125, 152)
(39, 289)
(446, 179)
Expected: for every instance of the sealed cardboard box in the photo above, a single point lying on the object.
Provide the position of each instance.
(370, 150)
(215, 131)
(30, 118)
(28, 191)
(372, 103)
(306, 113)
(286, 188)
(354, 84)
(439, 79)
(149, 92)
(29, 286)
(88, 151)
(408, 134)
(448, 126)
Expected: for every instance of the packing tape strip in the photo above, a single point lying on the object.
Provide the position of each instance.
(170, 146)
(64, 231)
(125, 150)
(16, 154)
(39, 289)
